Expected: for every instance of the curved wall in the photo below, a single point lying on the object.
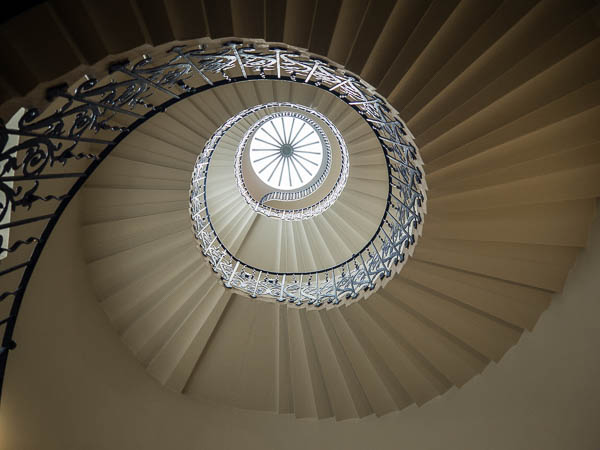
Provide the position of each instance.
(72, 384)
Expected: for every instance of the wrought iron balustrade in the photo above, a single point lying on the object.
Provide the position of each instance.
(67, 142)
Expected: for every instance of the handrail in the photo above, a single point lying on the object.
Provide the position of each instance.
(383, 254)
(78, 129)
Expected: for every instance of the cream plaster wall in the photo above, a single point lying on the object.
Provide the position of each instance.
(71, 384)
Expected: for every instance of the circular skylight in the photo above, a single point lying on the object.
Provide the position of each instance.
(286, 152)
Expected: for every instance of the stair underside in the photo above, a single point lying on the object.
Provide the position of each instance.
(503, 99)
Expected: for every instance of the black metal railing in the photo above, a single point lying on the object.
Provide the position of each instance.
(60, 148)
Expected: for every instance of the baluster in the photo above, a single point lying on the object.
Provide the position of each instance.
(256, 286)
(232, 274)
(336, 301)
(371, 284)
(282, 286)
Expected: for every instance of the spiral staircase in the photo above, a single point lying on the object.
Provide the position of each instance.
(503, 100)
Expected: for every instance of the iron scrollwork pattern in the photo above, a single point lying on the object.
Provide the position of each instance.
(386, 250)
(59, 148)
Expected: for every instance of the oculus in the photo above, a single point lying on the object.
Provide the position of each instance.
(287, 151)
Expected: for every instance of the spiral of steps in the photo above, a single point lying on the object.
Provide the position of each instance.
(503, 99)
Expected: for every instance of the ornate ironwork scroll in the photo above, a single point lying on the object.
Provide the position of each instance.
(386, 250)
(59, 149)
